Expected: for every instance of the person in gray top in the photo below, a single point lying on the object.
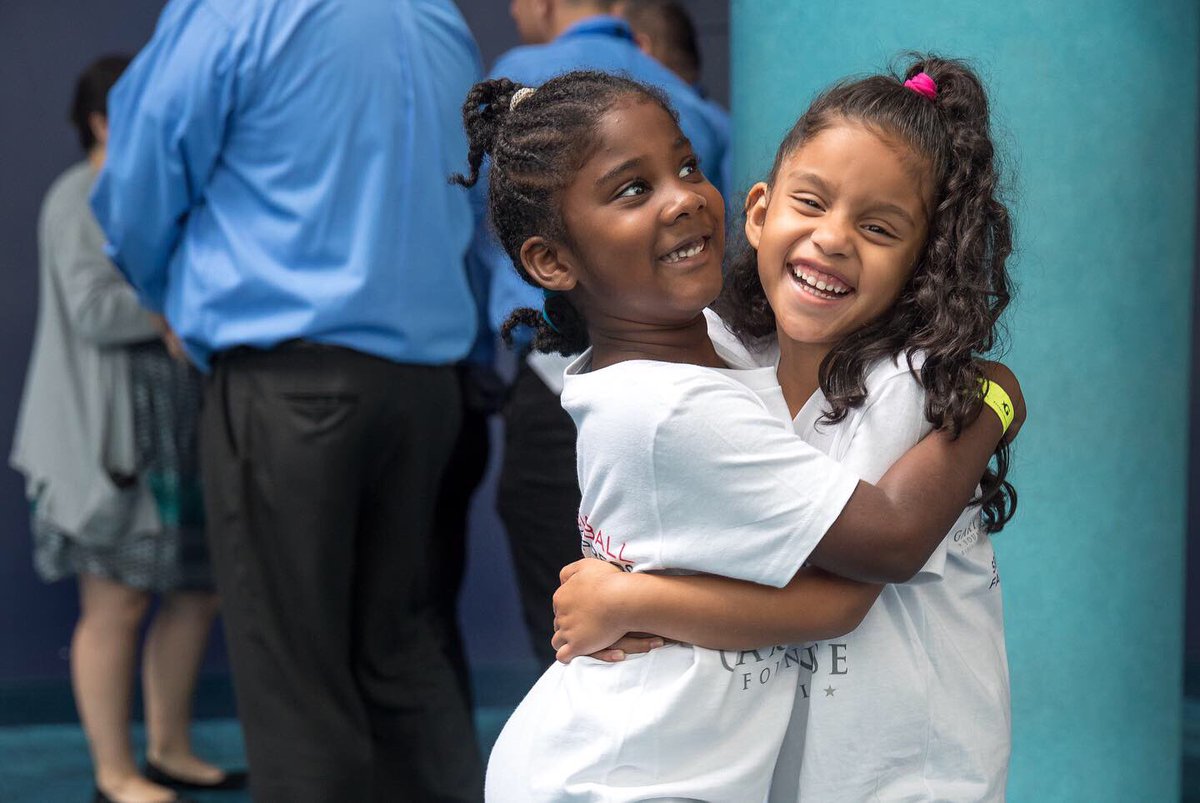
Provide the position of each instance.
(106, 441)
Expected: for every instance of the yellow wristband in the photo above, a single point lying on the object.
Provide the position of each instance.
(995, 397)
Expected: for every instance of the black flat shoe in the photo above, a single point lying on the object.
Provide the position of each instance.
(234, 779)
(100, 797)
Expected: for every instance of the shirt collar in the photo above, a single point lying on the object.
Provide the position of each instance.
(602, 25)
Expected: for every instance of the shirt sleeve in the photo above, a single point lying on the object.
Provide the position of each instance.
(738, 493)
(892, 422)
(100, 304)
(476, 265)
(479, 265)
(168, 116)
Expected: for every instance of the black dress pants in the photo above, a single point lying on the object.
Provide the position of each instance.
(463, 475)
(321, 469)
(538, 500)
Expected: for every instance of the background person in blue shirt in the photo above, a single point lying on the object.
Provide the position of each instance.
(665, 31)
(538, 494)
(279, 189)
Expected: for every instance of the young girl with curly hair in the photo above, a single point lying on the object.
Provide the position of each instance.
(874, 279)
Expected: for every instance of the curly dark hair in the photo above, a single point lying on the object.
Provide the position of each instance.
(535, 150)
(950, 308)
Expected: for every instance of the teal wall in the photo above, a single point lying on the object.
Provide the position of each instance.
(1096, 108)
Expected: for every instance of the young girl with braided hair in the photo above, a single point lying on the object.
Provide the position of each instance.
(685, 464)
(875, 275)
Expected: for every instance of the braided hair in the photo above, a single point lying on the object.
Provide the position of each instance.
(536, 148)
(950, 307)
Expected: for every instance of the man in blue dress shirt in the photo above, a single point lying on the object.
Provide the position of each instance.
(538, 494)
(278, 188)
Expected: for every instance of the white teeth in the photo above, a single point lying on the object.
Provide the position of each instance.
(819, 284)
(684, 253)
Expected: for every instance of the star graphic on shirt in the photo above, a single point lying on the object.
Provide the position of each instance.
(829, 690)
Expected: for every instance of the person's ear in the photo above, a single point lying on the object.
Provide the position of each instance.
(545, 264)
(98, 123)
(546, 12)
(756, 212)
(644, 43)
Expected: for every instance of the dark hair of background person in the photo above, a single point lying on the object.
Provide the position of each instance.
(91, 94)
(668, 23)
(950, 307)
(536, 150)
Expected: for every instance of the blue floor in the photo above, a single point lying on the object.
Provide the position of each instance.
(49, 763)
(44, 758)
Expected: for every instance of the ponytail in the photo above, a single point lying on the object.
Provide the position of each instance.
(558, 328)
(969, 242)
(487, 105)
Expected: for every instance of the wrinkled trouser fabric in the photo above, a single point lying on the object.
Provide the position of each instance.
(321, 468)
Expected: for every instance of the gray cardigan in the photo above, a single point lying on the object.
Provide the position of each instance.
(74, 434)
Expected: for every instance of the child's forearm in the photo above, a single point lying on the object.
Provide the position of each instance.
(888, 531)
(724, 614)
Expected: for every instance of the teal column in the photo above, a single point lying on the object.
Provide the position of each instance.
(1095, 107)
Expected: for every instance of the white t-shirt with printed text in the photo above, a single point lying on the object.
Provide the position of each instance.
(682, 469)
(914, 704)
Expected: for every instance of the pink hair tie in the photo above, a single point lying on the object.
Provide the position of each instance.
(922, 84)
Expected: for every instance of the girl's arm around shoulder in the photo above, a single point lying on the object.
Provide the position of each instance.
(887, 531)
(598, 604)
(736, 493)
(890, 422)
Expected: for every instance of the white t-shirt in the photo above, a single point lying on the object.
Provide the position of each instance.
(549, 368)
(682, 469)
(914, 704)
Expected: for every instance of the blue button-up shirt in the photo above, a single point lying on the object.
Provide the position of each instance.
(278, 170)
(598, 43)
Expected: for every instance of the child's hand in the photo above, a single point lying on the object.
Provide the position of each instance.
(1005, 378)
(630, 644)
(587, 617)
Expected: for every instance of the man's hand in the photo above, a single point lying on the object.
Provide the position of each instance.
(169, 338)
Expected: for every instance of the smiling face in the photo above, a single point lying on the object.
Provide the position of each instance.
(645, 227)
(839, 232)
